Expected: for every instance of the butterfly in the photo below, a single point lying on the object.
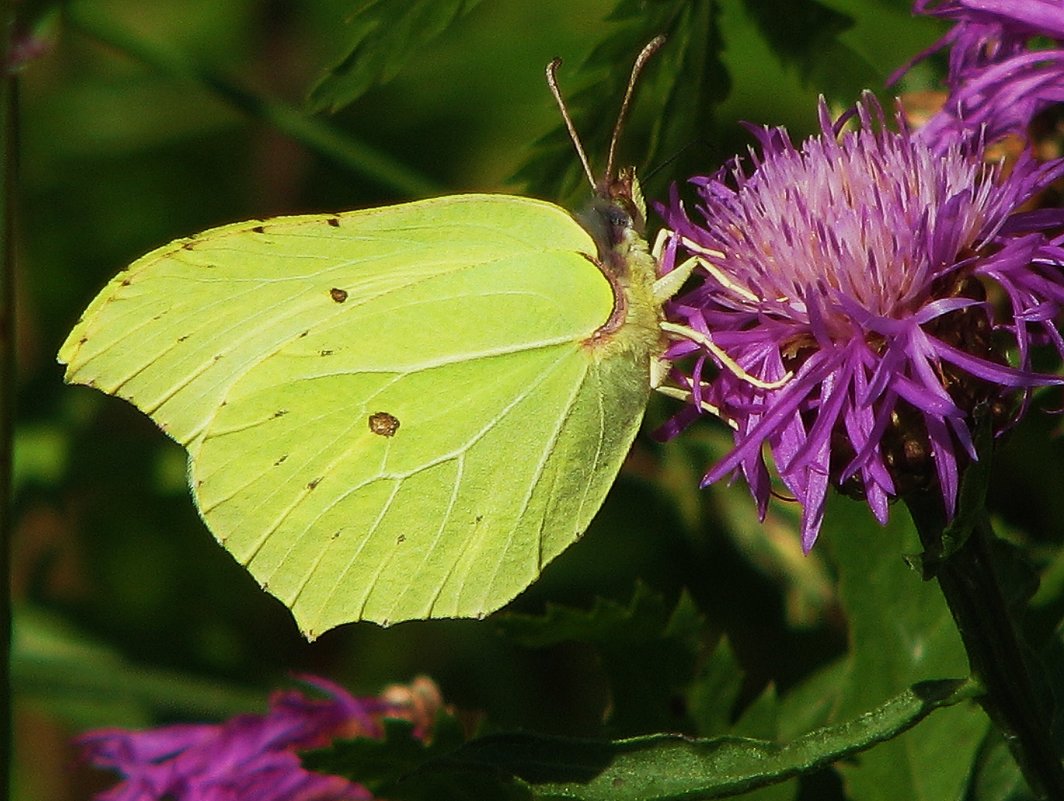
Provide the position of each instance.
(394, 413)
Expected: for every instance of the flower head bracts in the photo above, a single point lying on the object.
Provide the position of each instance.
(858, 265)
(997, 83)
(250, 757)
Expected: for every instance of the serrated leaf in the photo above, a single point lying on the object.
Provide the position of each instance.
(760, 719)
(901, 632)
(713, 694)
(645, 617)
(383, 36)
(380, 761)
(804, 34)
(674, 104)
(658, 767)
(647, 650)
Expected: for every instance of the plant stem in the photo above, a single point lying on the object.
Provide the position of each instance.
(996, 654)
(8, 152)
(311, 132)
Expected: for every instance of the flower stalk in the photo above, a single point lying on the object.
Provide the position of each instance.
(961, 557)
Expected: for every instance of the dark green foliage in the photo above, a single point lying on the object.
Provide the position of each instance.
(806, 35)
(647, 653)
(680, 86)
(383, 34)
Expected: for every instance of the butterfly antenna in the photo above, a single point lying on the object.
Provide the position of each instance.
(651, 48)
(552, 82)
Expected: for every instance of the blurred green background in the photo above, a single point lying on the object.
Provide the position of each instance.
(128, 611)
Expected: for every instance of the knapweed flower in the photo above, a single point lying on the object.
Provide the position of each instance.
(999, 79)
(254, 757)
(848, 314)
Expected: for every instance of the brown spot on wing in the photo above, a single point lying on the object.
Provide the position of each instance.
(383, 424)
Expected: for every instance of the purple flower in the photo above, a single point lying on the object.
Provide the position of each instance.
(253, 757)
(849, 314)
(995, 79)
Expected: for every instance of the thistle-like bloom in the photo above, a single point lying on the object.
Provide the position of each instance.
(254, 757)
(997, 78)
(849, 315)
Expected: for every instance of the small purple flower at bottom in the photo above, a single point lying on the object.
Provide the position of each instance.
(254, 757)
(997, 81)
(860, 298)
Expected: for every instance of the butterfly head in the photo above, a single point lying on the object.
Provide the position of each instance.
(623, 193)
(616, 217)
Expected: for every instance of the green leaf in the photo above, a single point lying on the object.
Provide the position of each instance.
(997, 777)
(383, 36)
(714, 693)
(377, 761)
(649, 768)
(885, 33)
(901, 632)
(674, 102)
(809, 704)
(804, 34)
(760, 720)
(647, 651)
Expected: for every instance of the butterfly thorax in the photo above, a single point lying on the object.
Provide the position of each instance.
(616, 220)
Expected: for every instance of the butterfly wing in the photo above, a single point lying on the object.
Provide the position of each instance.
(396, 413)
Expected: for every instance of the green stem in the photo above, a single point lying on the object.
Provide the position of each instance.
(312, 133)
(8, 152)
(996, 653)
